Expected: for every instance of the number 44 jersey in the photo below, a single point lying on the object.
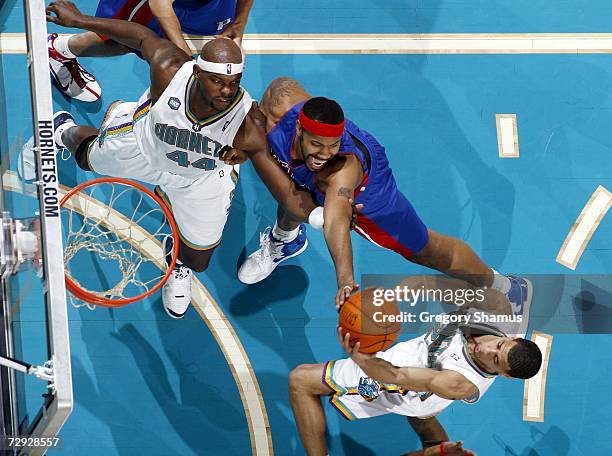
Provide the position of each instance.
(173, 140)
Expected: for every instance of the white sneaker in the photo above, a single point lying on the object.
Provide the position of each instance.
(26, 162)
(271, 253)
(70, 77)
(176, 292)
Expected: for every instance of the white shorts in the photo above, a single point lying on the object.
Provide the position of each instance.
(200, 206)
(357, 396)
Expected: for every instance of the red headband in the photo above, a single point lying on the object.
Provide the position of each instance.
(320, 128)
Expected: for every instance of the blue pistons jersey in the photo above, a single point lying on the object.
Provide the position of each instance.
(387, 218)
(197, 17)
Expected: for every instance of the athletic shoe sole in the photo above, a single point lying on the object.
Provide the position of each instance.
(248, 281)
(523, 326)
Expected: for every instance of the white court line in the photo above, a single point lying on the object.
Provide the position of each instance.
(217, 322)
(507, 135)
(535, 387)
(460, 43)
(589, 219)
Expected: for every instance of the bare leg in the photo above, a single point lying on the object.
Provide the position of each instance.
(430, 430)
(197, 260)
(73, 137)
(285, 220)
(305, 389)
(454, 257)
(88, 44)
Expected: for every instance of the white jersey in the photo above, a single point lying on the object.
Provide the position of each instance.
(173, 140)
(443, 347)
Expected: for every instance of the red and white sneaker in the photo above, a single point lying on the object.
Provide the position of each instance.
(70, 77)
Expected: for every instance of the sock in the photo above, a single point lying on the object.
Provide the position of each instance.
(57, 136)
(501, 283)
(284, 236)
(61, 45)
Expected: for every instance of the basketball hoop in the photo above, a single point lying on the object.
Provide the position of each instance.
(99, 230)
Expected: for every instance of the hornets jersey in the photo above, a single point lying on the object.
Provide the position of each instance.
(443, 347)
(173, 140)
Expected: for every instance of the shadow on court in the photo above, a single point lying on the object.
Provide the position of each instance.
(154, 388)
(553, 442)
(593, 311)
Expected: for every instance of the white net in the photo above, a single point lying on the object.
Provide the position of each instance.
(113, 242)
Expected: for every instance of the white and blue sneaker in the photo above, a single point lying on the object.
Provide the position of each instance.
(520, 295)
(176, 292)
(61, 121)
(271, 253)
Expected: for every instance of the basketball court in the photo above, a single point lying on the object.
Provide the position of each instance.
(495, 119)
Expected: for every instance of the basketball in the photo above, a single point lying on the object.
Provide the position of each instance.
(369, 323)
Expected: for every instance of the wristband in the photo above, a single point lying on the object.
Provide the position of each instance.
(442, 450)
(315, 219)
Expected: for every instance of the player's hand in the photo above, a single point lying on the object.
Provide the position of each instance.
(235, 157)
(353, 351)
(64, 13)
(347, 288)
(450, 449)
(234, 32)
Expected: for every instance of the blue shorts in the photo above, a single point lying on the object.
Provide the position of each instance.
(196, 17)
(397, 227)
(387, 218)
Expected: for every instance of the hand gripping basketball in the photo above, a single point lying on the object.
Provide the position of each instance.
(373, 326)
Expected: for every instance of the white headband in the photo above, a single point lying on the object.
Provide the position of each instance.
(220, 68)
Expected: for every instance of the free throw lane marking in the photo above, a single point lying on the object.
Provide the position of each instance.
(460, 43)
(507, 135)
(535, 387)
(584, 227)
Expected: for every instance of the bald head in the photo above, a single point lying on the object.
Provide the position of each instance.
(283, 87)
(282, 94)
(221, 50)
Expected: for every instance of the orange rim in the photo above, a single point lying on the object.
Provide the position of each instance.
(99, 300)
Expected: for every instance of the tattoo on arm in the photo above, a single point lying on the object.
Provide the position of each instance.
(346, 192)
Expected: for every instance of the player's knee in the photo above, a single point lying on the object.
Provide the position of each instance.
(298, 379)
(438, 253)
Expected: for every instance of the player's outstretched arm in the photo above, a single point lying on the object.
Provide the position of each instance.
(236, 29)
(251, 138)
(444, 383)
(130, 34)
(169, 23)
(338, 213)
(163, 56)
